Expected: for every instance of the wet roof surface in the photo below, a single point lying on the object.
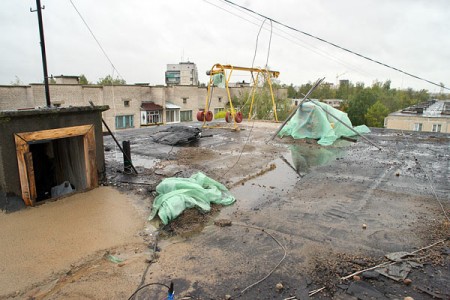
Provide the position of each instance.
(315, 201)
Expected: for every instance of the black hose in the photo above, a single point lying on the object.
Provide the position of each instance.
(146, 285)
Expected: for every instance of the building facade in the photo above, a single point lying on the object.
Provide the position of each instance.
(433, 116)
(184, 73)
(131, 106)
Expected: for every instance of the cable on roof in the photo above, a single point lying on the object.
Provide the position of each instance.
(430, 182)
(248, 98)
(339, 47)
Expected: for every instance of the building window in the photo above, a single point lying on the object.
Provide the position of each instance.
(185, 100)
(124, 122)
(126, 103)
(216, 110)
(186, 116)
(172, 115)
(220, 99)
(154, 116)
(172, 77)
(436, 128)
(418, 127)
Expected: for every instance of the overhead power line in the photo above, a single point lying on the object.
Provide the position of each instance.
(95, 38)
(289, 37)
(337, 46)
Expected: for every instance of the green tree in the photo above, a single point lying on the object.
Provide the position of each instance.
(262, 108)
(109, 80)
(375, 115)
(17, 81)
(292, 93)
(359, 104)
(83, 80)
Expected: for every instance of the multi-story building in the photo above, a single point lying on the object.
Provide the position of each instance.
(131, 106)
(432, 116)
(184, 73)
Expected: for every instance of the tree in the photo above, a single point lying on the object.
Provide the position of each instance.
(17, 81)
(83, 80)
(375, 115)
(359, 104)
(109, 80)
(292, 93)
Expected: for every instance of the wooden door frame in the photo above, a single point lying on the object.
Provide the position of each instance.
(26, 172)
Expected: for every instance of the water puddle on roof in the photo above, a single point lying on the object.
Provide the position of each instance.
(304, 158)
(137, 160)
(144, 161)
(274, 184)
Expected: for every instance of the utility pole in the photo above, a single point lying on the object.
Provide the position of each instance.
(44, 57)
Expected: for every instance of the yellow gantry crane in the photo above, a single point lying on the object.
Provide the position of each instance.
(232, 115)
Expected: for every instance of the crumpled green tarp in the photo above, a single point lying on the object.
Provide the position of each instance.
(219, 80)
(177, 194)
(311, 121)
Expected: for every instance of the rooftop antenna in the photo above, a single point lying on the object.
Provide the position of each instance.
(44, 58)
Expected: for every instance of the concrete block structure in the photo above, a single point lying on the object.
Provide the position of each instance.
(129, 104)
(43, 148)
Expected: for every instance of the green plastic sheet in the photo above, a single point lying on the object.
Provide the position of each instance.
(174, 195)
(312, 121)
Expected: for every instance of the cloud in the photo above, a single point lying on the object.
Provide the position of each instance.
(141, 37)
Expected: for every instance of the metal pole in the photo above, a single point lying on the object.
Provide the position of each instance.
(118, 145)
(126, 156)
(44, 58)
(115, 140)
(319, 81)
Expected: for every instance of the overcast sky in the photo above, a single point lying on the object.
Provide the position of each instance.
(141, 37)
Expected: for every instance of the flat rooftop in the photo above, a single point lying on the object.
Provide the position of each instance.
(439, 109)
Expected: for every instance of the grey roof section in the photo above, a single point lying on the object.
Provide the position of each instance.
(438, 109)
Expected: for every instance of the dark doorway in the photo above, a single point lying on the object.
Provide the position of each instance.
(58, 162)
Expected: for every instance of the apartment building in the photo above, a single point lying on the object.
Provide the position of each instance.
(184, 73)
(431, 116)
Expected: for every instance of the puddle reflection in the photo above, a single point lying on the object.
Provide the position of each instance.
(305, 157)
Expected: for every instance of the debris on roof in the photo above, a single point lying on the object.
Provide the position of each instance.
(177, 135)
(177, 194)
(312, 121)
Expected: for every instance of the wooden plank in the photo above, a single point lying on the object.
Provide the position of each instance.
(52, 134)
(31, 179)
(25, 160)
(90, 159)
(21, 148)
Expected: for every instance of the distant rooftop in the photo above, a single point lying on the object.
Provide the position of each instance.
(432, 108)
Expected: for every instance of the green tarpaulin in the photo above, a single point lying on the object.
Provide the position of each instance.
(177, 194)
(312, 121)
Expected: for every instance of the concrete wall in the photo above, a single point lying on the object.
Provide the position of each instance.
(65, 95)
(16, 96)
(35, 120)
(407, 122)
(67, 79)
